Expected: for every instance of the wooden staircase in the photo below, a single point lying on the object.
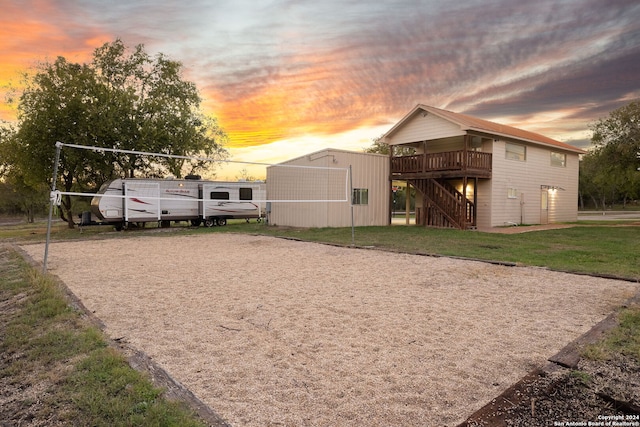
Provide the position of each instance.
(444, 205)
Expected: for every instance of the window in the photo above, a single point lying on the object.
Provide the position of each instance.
(558, 159)
(246, 194)
(219, 195)
(512, 193)
(360, 196)
(515, 152)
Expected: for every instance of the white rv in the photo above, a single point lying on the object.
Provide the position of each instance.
(123, 201)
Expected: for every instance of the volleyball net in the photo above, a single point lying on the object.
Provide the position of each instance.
(290, 182)
(233, 185)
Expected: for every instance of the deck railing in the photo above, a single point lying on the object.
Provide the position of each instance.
(445, 161)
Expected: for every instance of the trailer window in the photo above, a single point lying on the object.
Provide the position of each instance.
(246, 194)
(219, 195)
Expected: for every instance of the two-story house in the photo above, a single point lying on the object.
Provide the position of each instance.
(470, 172)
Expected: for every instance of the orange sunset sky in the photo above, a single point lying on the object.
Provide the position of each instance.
(285, 78)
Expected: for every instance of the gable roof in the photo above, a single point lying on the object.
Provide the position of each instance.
(470, 123)
(329, 152)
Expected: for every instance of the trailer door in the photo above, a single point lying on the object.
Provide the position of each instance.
(142, 201)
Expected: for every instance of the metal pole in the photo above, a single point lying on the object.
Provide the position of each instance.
(51, 201)
(353, 230)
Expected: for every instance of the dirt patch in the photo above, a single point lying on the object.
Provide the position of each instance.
(595, 392)
(571, 390)
(273, 332)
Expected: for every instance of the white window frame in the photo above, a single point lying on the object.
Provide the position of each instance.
(360, 196)
(558, 160)
(515, 152)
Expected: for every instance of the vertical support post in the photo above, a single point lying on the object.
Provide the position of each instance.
(353, 229)
(51, 201)
(465, 182)
(424, 156)
(465, 153)
(465, 179)
(475, 201)
(390, 200)
(407, 203)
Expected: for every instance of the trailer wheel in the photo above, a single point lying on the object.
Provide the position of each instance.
(222, 221)
(196, 222)
(259, 220)
(209, 222)
(118, 226)
(165, 224)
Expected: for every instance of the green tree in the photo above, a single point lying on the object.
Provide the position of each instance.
(595, 181)
(157, 112)
(378, 146)
(621, 132)
(59, 104)
(609, 172)
(15, 196)
(399, 199)
(245, 176)
(123, 100)
(6, 132)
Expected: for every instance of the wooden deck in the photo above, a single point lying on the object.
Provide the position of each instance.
(442, 165)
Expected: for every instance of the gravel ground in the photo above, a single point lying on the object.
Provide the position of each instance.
(268, 331)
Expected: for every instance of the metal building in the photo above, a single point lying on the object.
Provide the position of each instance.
(324, 184)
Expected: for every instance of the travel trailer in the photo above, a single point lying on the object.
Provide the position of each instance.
(133, 201)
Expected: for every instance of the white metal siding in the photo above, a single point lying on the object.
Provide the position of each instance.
(527, 178)
(370, 171)
(421, 128)
(483, 206)
(445, 144)
(565, 202)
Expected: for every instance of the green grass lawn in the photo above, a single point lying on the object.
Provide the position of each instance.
(58, 367)
(593, 248)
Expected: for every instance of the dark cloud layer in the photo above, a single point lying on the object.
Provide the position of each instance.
(494, 59)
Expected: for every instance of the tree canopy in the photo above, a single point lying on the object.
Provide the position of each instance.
(609, 173)
(123, 99)
(378, 146)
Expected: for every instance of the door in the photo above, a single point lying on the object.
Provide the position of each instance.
(544, 206)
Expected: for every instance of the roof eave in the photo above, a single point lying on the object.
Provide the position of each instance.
(465, 126)
(531, 141)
